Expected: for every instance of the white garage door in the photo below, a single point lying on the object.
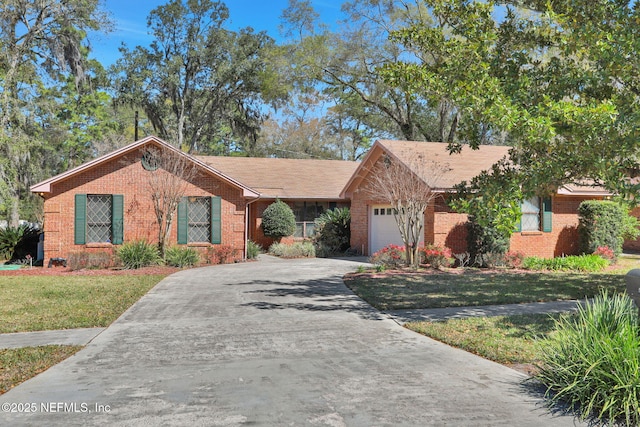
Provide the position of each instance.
(383, 229)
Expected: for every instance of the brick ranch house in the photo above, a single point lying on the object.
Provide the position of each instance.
(548, 227)
(106, 201)
(99, 205)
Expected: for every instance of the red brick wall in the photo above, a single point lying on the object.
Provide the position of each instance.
(126, 176)
(562, 240)
(446, 228)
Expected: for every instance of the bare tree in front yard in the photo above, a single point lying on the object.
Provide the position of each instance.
(169, 173)
(409, 188)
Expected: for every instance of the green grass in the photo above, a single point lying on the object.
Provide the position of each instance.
(473, 288)
(37, 303)
(504, 339)
(20, 364)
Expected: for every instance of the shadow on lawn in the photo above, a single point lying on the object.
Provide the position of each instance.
(326, 295)
(444, 289)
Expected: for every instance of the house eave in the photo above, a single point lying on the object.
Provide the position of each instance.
(44, 187)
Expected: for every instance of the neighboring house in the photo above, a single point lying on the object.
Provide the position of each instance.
(548, 227)
(105, 202)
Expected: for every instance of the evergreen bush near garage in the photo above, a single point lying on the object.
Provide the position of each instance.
(591, 361)
(333, 232)
(278, 220)
(181, 257)
(604, 223)
(485, 242)
(138, 254)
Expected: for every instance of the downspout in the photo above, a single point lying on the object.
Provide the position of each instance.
(246, 224)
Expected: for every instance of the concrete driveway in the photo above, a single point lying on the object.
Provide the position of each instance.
(271, 343)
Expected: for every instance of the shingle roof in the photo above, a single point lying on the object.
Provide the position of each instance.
(287, 178)
(462, 166)
(45, 186)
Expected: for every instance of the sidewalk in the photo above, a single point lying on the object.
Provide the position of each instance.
(85, 335)
(60, 337)
(437, 314)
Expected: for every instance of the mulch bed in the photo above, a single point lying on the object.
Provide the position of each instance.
(62, 271)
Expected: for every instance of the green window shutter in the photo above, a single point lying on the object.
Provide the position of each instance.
(216, 220)
(183, 222)
(117, 219)
(80, 220)
(547, 215)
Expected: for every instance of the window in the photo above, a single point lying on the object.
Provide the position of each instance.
(199, 220)
(530, 220)
(536, 215)
(98, 218)
(306, 214)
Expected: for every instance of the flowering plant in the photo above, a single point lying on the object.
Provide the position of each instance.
(605, 252)
(437, 256)
(389, 256)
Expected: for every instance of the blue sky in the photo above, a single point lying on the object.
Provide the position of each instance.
(130, 18)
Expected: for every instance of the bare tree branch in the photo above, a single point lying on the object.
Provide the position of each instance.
(409, 188)
(169, 174)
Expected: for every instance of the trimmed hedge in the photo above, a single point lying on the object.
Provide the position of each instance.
(278, 220)
(604, 223)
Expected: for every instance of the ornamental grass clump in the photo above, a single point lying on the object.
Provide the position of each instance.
(592, 361)
(138, 254)
(181, 257)
(294, 250)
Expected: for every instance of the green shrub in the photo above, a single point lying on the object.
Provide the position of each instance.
(138, 254)
(177, 256)
(89, 260)
(604, 223)
(485, 243)
(591, 362)
(278, 220)
(588, 263)
(18, 242)
(333, 232)
(295, 250)
(253, 249)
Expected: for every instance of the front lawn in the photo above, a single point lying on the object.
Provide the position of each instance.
(19, 364)
(455, 288)
(510, 340)
(48, 302)
(38, 303)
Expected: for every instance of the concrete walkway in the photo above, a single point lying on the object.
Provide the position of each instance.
(270, 343)
(81, 336)
(436, 314)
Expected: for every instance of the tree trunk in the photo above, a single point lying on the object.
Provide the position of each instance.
(13, 214)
